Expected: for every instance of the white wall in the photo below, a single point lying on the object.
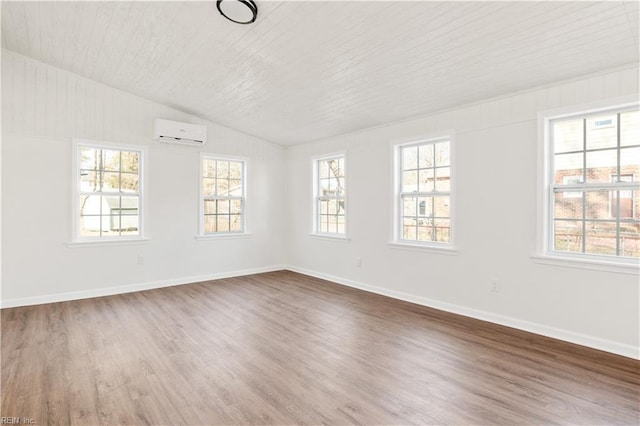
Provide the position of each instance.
(495, 145)
(42, 109)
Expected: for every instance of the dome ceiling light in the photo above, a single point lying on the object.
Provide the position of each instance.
(238, 11)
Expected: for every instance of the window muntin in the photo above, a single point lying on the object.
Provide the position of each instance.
(424, 199)
(594, 186)
(109, 196)
(330, 201)
(223, 195)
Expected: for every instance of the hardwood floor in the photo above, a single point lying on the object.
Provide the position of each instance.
(284, 348)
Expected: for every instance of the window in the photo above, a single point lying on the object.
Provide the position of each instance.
(223, 196)
(593, 187)
(108, 182)
(423, 202)
(330, 208)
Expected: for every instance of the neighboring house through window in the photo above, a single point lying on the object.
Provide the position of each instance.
(423, 201)
(108, 182)
(592, 187)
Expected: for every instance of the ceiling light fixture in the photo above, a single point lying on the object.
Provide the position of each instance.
(238, 11)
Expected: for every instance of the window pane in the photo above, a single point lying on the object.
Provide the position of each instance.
(236, 223)
(341, 189)
(601, 165)
(323, 170)
(336, 167)
(426, 180)
(568, 236)
(443, 179)
(129, 205)
(630, 162)
(630, 128)
(129, 182)
(90, 226)
(111, 205)
(223, 206)
(630, 239)
(602, 131)
(425, 206)
(223, 223)
(236, 207)
(568, 135)
(235, 170)
(600, 238)
(425, 156)
(568, 205)
(111, 181)
(597, 206)
(90, 205)
(324, 207)
(90, 158)
(324, 185)
(410, 158)
(208, 187)
(410, 181)
(129, 161)
(235, 188)
(130, 225)
(567, 165)
(222, 186)
(409, 229)
(409, 206)
(424, 233)
(208, 168)
(90, 180)
(442, 208)
(209, 206)
(209, 224)
(111, 160)
(222, 169)
(442, 154)
(128, 215)
(442, 229)
(627, 205)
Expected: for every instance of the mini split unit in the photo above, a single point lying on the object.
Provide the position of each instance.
(179, 133)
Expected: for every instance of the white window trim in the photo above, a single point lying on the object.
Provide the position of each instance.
(424, 246)
(79, 241)
(314, 223)
(543, 253)
(201, 235)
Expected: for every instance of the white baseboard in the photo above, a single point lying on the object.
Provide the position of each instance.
(108, 291)
(623, 349)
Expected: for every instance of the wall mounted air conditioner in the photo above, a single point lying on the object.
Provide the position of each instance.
(179, 133)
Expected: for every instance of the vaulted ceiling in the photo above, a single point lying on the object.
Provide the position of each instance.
(309, 70)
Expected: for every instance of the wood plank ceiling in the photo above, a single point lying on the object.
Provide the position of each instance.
(310, 70)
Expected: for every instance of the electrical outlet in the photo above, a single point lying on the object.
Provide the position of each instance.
(358, 262)
(495, 286)
(140, 259)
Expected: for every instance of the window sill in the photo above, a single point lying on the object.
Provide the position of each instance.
(329, 237)
(110, 243)
(446, 250)
(589, 264)
(227, 236)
